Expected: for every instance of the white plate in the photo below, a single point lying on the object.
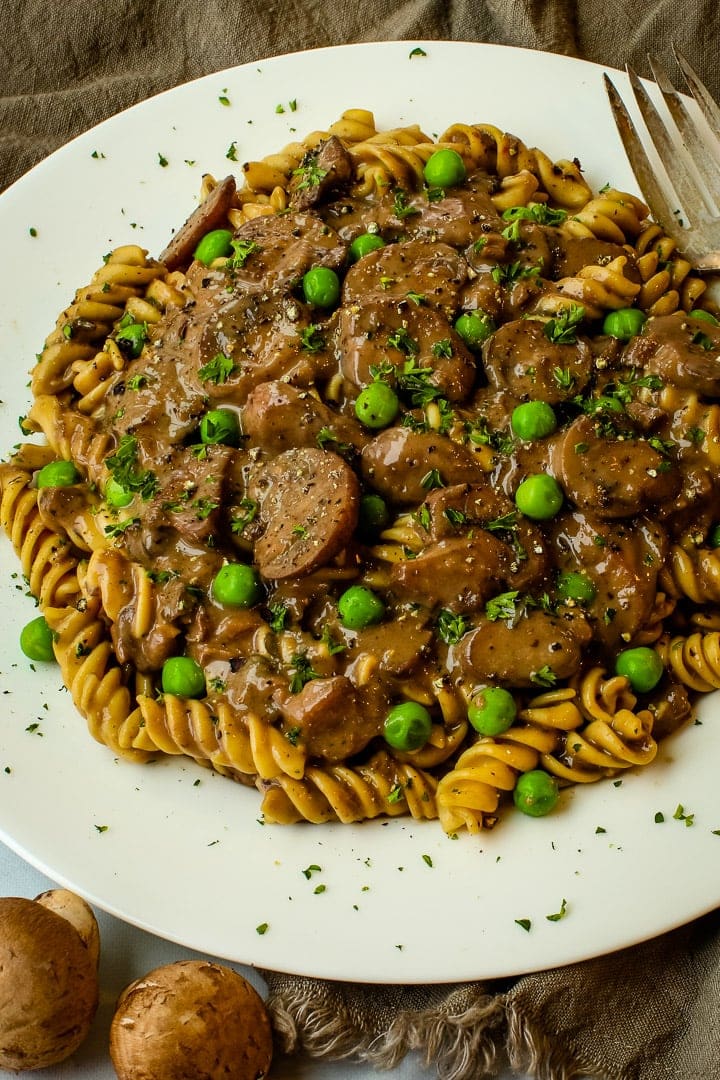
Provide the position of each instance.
(189, 861)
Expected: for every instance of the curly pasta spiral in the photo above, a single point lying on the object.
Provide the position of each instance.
(83, 327)
(47, 559)
(244, 746)
(72, 436)
(668, 281)
(696, 573)
(616, 737)
(613, 215)
(694, 660)
(468, 795)
(499, 152)
(342, 793)
(692, 420)
(89, 670)
(599, 288)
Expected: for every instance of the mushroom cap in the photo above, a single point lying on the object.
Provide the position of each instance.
(191, 1020)
(48, 986)
(73, 908)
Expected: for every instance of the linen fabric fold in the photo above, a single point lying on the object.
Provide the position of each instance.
(643, 1013)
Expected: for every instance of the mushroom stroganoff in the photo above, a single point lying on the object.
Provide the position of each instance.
(388, 488)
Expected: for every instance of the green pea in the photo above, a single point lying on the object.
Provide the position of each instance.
(474, 327)
(533, 420)
(116, 494)
(641, 666)
(624, 323)
(572, 585)
(407, 726)
(377, 405)
(604, 403)
(714, 537)
(444, 168)
(214, 245)
(321, 287)
(58, 474)
(183, 677)
(705, 316)
(220, 426)
(359, 606)
(237, 585)
(364, 244)
(374, 516)
(539, 497)
(131, 338)
(536, 793)
(492, 711)
(36, 640)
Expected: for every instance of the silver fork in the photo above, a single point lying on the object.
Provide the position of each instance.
(685, 201)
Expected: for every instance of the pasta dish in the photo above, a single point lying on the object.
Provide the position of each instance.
(388, 488)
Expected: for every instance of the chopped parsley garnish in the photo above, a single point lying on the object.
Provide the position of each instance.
(478, 432)
(558, 914)
(417, 51)
(326, 438)
(442, 349)
(512, 272)
(455, 517)
(278, 616)
(703, 340)
(540, 213)
(415, 382)
(524, 923)
(217, 370)
(332, 646)
(432, 479)
(308, 172)
(401, 207)
(680, 815)
(242, 250)
(401, 340)
(451, 627)
(239, 523)
(124, 468)
(204, 508)
(544, 676)
(311, 339)
(121, 526)
(502, 606)
(562, 329)
(302, 672)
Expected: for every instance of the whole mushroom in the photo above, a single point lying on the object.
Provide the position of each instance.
(191, 1020)
(48, 978)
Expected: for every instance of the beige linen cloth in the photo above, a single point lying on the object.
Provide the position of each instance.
(646, 1013)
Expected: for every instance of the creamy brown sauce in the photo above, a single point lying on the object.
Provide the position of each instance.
(288, 498)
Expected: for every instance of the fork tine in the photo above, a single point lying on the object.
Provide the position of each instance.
(700, 92)
(681, 178)
(695, 142)
(644, 172)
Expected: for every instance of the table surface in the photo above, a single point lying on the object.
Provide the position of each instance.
(127, 953)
